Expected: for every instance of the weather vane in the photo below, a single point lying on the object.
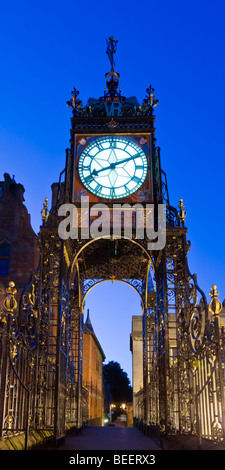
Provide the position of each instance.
(111, 50)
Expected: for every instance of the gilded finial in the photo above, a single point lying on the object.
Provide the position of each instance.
(44, 211)
(75, 103)
(182, 214)
(150, 100)
(215, 305)
(10, 302)
(153, 100)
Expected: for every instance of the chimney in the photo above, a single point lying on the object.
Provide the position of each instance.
(55, 189)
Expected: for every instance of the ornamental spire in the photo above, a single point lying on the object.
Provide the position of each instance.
(88, 323)
(112, 78)
(111, 50)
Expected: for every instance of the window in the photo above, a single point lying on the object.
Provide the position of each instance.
(4, 259)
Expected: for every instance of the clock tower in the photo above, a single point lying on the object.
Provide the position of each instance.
(112, 160)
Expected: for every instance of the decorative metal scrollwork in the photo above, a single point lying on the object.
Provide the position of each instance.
(172, 217)
(197, 327)
(28, 316)
(198, 314)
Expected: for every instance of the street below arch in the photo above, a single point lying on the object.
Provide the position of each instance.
(109, 438)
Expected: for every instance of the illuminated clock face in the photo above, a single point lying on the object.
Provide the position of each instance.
(113, 167)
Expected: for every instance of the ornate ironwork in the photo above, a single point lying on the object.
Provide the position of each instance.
(41, 344)
(75, 103)
(188, 366)
(18, 360)
(150, 101)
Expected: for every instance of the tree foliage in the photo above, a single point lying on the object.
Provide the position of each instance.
(118, 381)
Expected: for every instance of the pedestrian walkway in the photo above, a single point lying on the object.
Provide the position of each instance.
(109, 438)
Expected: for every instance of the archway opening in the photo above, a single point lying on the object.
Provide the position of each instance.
(111, 307)
(108, 311)
(111, 278)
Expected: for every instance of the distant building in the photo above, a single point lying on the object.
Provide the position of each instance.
(19, 255)
(221, 315)
(136, 347)
(93, 357)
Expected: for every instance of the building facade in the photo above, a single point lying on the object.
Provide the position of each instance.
(136, 347)
(93, 357)
(19, 254)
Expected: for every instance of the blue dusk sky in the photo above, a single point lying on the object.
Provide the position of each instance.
(49, 47)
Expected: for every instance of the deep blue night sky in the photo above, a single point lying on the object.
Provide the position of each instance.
(47, 48)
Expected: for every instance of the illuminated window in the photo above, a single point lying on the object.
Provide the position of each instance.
(4, 259)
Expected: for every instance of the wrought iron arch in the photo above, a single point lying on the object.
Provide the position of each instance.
(91, 283)
(142, 282)
(85, 244)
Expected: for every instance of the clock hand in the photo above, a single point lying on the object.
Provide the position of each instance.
(126, 160)
(112, 165)
(96, 172)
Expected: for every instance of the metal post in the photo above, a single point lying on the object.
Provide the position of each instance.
(27, 420)
(27, 390)
(198, 421)
(215, 308)
(80, 369)
(9, 304)
(220, 370)
(5, 356)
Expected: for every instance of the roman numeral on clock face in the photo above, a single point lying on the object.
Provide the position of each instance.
(100, 147)
(98, 188)
(88, 179)
(112, 192)
(113, 144)
(139, 167)
(136, 179)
